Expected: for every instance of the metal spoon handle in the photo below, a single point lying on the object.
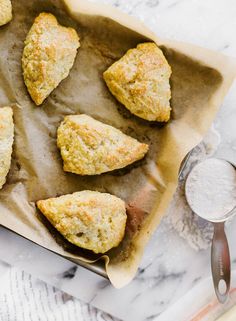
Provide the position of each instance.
(220, 262)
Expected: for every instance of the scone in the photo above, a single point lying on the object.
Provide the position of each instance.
(5, 12)
(89, 147)
(6, 142)
(140, 81)
(49, 54)
(91, 220)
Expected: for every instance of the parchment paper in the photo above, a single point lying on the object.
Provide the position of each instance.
(199, 82)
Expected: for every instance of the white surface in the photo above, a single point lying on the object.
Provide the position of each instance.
(202, 305)
(170, 266)
(229, 315)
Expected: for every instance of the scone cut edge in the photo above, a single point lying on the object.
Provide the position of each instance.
(6, 142)
(91, 220)
(5, 12)
(140, 81)
(48, 56)
(90, 147)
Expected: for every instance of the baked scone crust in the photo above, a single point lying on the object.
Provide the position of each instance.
(6, 142)
(91, 220)
(5, 12)
(89, 147)
(140, 81)
(49, 54)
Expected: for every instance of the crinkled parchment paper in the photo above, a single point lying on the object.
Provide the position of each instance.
(199, 82)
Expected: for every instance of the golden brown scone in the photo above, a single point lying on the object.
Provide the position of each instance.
(49, 53)
(140, 81)
(6, 142)
(89, 147)
(5, 12)
(91, 220)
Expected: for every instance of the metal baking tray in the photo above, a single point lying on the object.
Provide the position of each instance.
(99, 266)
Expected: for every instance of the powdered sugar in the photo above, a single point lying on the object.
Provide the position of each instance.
(211, 189)
(195, 230)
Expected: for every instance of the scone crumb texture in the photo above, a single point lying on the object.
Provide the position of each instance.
(5, 12)
(92, 220)
(6, 142)
(49, 54)
(90, 147)
(140, 81)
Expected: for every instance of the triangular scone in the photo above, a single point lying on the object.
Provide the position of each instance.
(89, 147)
(6, 142)
(49, 53)
(140, 81)
(91, 220)
(5, 12)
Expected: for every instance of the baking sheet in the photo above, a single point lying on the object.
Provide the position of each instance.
(199, 81)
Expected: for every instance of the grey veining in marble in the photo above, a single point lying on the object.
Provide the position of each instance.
(170, 267)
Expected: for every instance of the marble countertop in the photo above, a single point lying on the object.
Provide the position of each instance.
(170, 267)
